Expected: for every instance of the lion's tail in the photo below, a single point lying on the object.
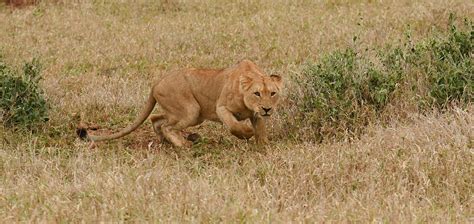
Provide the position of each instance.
(150, 104)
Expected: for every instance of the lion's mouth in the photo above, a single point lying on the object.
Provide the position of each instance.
(256, 114)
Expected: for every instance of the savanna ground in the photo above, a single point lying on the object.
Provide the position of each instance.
(99, 58)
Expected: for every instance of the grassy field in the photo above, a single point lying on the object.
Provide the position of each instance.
(99, 58)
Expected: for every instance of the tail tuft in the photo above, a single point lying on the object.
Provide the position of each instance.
(80, 126)
(82, 133)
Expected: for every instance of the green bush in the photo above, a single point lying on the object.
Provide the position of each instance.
(22, 104)
(347, 89)
(450, 70)
(343, 91)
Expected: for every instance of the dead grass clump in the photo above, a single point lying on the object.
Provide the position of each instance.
(21, 3)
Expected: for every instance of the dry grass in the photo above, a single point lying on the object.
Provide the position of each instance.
(99, 58)
(420, 171)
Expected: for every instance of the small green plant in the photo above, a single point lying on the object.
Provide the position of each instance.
(22, 104)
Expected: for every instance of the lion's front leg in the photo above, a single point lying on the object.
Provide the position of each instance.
(238, 129)
(258, 124)
(242, 131)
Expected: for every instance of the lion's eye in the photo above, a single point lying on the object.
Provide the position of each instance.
(256, 93)
(273, 93)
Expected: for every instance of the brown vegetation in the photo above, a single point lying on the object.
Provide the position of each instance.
(20, 3)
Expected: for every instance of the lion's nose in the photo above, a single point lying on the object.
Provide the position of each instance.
(266, 109)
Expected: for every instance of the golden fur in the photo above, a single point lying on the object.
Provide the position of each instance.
(192, 96)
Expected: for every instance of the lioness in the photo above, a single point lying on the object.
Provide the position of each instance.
(192, 96)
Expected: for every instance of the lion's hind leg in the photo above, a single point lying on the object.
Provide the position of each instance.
(157, 120)
(179, 117)
(172, 130)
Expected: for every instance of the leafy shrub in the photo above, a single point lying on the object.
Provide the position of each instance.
(22, 103)
(347, 89)
(343, 91)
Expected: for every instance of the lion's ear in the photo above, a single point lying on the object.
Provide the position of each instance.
(245, 82)
(277, 80)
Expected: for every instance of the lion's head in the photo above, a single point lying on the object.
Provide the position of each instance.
(261, 93)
